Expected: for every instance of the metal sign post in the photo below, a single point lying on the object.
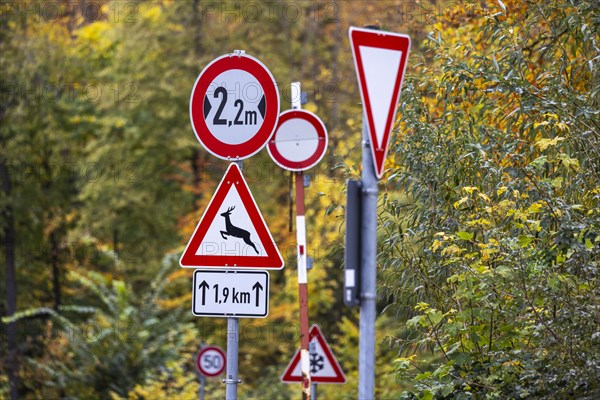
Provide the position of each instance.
(380, 60)
(201, 378)
(313, 355)
(368, 273)
(201, 388)
(231, 377)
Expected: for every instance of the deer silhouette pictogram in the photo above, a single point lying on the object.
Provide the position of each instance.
(232, 230)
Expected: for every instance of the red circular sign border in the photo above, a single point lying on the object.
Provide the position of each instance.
(257, 69)
(205, 349)
(295, 166)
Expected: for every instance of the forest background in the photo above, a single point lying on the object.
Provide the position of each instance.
(489, 211)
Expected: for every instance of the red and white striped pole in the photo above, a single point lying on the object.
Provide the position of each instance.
(302, 285)
(302, 269)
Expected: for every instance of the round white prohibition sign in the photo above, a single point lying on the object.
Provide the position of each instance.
(210, 361)
(299, 142)
(234, 106)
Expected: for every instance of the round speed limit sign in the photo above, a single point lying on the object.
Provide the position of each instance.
(234, 106)
(210, 361)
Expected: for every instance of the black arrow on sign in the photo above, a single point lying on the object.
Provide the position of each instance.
(257, 287)
(207, 106)
(203, 286)
(262, 106)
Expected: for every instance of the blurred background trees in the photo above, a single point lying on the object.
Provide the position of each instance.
(489, 230)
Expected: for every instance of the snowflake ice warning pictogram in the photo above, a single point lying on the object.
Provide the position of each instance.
(317, 362)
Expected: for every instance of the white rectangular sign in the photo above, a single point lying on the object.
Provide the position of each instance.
(243, 294)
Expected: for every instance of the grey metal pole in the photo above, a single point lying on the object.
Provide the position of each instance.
(201, 377)
(201, 389)
(313, 386)
(231, 379)
(368, 273)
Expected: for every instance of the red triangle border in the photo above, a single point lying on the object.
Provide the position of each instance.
(272, 260)
(315, 332)
(383, 40)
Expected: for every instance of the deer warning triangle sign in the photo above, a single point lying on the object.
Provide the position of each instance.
(324, 368)
(380, 61)
(232, 232)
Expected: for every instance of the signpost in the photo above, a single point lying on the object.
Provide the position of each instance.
(324, 368)
(352, 243)
(298, 144)
(241, 294)
(232, 232)
(234, 106)
(210, 361)
(243, 242)
(380, 61)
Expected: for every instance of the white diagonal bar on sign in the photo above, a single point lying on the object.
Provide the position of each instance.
(381, 68)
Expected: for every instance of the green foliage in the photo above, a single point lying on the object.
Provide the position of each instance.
(495, 263)
(128, 340)
(489, 215)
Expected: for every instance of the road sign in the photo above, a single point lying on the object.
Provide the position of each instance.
(352, 253)
(232, 232)
(324, 368)
(230, 293)
(299, 142)
(210, 361)
(380, 61)
(234, 106)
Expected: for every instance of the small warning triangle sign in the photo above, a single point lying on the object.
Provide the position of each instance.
(232, 232)
(380, 61)
(324, 368)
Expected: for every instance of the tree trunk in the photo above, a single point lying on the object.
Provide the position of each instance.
(116, 244)
(335, 92)
(196, 159)
(54, 235)
(54, 257)
(197, 31)
(12, 360)
(337, 41)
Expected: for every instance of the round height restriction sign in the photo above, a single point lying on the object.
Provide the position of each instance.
(210, 361)
(234, 106)
(299, 142)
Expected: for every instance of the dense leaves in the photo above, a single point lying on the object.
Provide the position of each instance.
(489, 215)
(496, 244)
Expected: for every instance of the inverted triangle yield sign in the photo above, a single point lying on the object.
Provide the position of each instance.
(380, 61)
(324, 368)
(232, 232)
